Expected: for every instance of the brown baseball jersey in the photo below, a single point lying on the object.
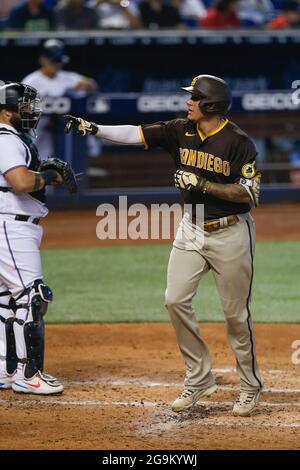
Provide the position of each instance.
(223, 156)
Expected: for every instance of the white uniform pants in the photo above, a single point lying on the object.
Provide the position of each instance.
(20, 265)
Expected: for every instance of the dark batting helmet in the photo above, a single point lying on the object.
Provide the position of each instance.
(24, 100)
(214, 94)
(54, 50)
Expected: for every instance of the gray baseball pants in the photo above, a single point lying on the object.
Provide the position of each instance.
(228, 252)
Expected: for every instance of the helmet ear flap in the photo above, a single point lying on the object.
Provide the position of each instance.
(205, 107)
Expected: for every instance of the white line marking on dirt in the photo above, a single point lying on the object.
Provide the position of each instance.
(149, 404)
(261, 403)
(265, 390)
(215, 422)
(251, 425)
(147, 383)
(231, 370)
(203, 422)
(51, 401)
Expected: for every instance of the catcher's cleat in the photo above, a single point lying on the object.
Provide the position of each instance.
(189, 398)
(39, 384)
(246, 403)
(6, 381)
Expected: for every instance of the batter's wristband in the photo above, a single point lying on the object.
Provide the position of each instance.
(49, 176)
(201, 186)
(205, 187)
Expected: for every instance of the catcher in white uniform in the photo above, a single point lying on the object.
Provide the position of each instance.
(24, 297)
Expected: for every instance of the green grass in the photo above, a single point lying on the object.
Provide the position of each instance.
(126, 284)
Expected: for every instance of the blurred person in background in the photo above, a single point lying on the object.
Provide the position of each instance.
(255, 12)
(53, 82)
(116, 14)
(289, 18)
(7, 5)
(191, 11)
(75, 15)
(157, 14)
(32, 15)
(222, 15)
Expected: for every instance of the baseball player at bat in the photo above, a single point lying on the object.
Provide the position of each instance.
(24, 297)
(215, 167)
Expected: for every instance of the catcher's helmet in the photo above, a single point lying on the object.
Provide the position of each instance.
(54, 50)
(214, 94)
(24, 100)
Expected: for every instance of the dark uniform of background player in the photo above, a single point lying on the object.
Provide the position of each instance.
(215, 162)
(24, 297)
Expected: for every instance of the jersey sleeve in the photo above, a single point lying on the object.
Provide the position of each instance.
(30, 80)
(160, 134)
(13, 154)
(73, 79)
(244, 161)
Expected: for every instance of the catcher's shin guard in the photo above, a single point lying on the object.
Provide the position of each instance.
(11, 354)
(7, 338)
(34, 334)
(31, 306)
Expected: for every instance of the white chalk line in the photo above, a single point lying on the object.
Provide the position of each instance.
(230, 370)
(215, 422)
(148, 383)
(203, 422)
(144, 404)
(250, 425)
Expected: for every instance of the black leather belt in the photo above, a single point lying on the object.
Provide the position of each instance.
(27, 218)
(5, 189)
(20, 217)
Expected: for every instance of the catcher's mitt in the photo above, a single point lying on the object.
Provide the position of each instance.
(64, 169)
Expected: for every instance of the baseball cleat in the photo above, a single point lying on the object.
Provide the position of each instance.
(189, 398)
(39, 384)
(6, 381)
(246, 403)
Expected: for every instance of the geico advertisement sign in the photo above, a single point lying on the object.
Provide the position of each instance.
(56, 105)
(162, 103)
(268, 101)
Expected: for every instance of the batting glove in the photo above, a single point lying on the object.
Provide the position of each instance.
(187, 181)
(81, 126)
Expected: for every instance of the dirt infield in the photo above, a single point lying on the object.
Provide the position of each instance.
(120, 378)
(119, 381)
(77, 228)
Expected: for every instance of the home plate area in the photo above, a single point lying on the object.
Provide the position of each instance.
(119, 397)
